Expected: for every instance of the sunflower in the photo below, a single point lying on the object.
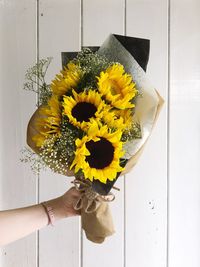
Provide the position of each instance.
(66, 80)
(82, 108)
(48, 123)
(127, 116)
(117, 86)
(116, 118)
(98, 154)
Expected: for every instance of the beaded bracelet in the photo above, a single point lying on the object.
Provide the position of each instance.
(49, 212)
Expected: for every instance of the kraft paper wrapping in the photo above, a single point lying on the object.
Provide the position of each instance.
(99, 224)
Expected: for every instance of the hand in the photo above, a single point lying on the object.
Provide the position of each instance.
(63, 206)
(69, 199)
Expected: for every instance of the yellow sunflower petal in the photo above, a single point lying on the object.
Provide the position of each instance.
(82, 108)
(98, 154)
(48, 123)
(66, 80)
(117, 86)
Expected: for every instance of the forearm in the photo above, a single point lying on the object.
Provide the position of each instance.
(17, 223)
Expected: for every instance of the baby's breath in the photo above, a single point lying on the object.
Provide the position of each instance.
(91, 65)
(58, 151)
(35, 161)
(133, 133)
(35, 80)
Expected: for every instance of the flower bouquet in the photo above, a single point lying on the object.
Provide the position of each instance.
(93, 120)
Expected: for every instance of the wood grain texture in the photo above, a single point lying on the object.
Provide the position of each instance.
(59, 31)
(146, 185)
(100, 18)
(184, 231)
(17, 183)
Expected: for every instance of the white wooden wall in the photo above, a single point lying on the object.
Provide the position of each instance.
(156, 213)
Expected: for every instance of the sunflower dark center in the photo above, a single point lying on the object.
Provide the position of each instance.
(101, 153)
(83, 111)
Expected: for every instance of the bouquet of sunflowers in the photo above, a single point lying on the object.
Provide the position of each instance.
(91, 122)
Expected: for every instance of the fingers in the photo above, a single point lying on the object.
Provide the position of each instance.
(74, 192)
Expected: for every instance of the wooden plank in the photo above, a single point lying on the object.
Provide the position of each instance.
(17, 182)
(146, 185)
(59, 30)
(100, 18)
(184, 134)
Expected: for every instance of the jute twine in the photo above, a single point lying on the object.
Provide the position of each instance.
(89, 199)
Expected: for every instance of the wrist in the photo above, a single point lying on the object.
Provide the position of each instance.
(57, 209)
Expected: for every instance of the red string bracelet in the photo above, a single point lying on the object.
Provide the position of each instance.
(49, 212)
